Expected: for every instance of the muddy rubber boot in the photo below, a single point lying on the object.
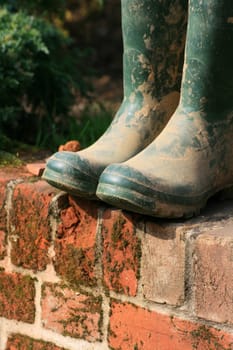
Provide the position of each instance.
(192, 158)
(154, 38)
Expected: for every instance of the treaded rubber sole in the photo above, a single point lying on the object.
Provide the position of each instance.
(65, 183)
(138, 203)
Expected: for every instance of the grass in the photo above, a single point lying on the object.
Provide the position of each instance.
(86, 129)
(8, 159)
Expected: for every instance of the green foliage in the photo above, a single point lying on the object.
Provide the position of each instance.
(39, 73)
(20, 43)
(101, 2)
(41, 8)
(8, 159)
(87, 129)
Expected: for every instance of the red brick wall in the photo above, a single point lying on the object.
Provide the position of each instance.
(80, 275)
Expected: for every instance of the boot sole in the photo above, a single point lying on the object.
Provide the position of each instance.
(136, 196)
(138, 203)
(70, 173)
(65, 183)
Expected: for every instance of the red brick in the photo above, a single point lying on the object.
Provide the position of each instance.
(132, 327)
(31, 235)
(3, 184)
(163, 263)
(36, 169)
(13, 173)
(21, 342)
(213, 275)
(2, 244)
(75, 245)
(3, 222)
(70, 312)
(121, 252)
(17, 297)
(8, 174)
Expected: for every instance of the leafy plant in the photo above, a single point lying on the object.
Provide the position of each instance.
(87, 129)
(39, 74)
(40, 8)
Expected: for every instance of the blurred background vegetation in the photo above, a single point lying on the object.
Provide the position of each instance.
(60, 71)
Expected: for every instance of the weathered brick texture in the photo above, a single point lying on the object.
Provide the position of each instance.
(121, 252)
(2, 244)
(3, 214)
(213, 266)
(163, 263)
(71, 312)
(30, 238)
(112, 270)
(132, 327)
(17, 294)
(2, 209)
(6, 175)
(75, 244)
(20, 342)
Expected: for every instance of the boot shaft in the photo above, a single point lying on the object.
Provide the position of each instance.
(208, 70)
(153, 39)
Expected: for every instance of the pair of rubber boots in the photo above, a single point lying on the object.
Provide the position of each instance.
(165, 154)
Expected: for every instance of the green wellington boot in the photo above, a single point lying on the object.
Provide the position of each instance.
(154, 39)
(192, 158)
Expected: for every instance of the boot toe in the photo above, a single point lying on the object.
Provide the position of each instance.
(71, 173)
(127, 188)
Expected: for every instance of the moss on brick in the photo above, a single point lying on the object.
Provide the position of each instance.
(31, 222)
(21, 342)
(3, 243)
(17, 295)
(72, 312)
(74, 265)
(75, 244)
(204, 334)
(8, 159)
(117, 230)
(121, 253)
